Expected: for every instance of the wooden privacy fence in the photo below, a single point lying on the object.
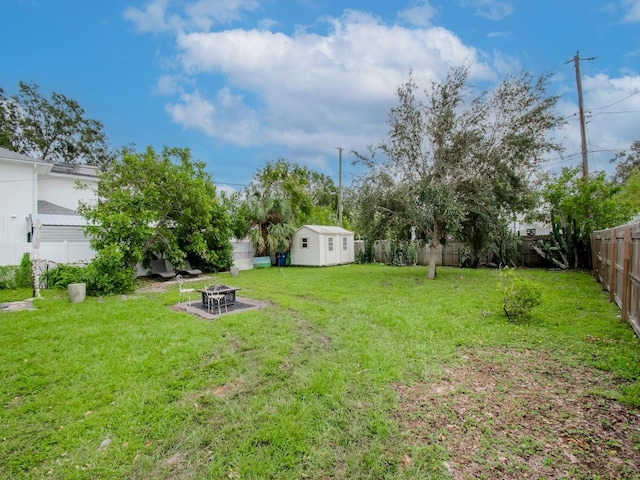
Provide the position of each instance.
(449, 255)
(616, 265)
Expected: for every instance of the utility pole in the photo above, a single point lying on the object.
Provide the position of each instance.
(583, 135)
(339, 186)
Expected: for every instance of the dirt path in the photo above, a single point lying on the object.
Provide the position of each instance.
(521, 415)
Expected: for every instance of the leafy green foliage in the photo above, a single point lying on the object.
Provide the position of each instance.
(577, 207)
(519, 295)
(401, 252)
(284, 195)
(627, 163)
(591, 202)
(108, 273)
(53, 129)
(159, 204)
(565, 246)
(366, 254)
(458, 167)
(8, 276)
(62, 275)
(24, 273)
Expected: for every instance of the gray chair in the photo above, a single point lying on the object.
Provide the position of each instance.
(186, 269)
(159, 268)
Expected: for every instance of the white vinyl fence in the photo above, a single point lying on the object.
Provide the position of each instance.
(58, 252)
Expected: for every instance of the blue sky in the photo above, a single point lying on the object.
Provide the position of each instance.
(241, 82)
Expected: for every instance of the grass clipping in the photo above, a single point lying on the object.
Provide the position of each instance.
(512, 414)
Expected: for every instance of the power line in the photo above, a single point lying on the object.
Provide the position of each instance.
(619, 101)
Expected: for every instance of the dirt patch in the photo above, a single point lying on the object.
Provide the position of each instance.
(522, 415)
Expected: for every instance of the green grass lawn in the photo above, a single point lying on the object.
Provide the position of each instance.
(127, 387)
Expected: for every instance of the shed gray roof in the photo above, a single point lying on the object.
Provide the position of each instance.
(327, 229)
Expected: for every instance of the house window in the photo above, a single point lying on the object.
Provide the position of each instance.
(344, 243)
(305, 242)
(330, 240)
(531, 231)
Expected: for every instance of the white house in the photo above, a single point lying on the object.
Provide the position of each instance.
(317, 246)
(33, 188)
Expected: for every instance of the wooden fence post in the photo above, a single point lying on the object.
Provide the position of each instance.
(613, 260)
(595, 247)
(626, 264)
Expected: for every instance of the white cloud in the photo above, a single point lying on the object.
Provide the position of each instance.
(419, 15)
(225, 118)
(156, 16)
(491, 9)
(612, 107)
(633, 10)
(153, 18)
(205, 13)
(311, 91)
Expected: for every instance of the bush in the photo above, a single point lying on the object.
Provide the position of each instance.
(108, 274)
(24, 273)
(8, 277)
(105, 275)
(519, 295)
(367, 254)
(63, 275)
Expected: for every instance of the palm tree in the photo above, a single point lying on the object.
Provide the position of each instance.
(272, 223)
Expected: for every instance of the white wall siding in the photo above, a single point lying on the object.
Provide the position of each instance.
(310, 256)
(62, 191)
(317, 253)
(17, 203)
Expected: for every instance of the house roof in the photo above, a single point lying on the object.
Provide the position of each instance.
(75, 169)
(327, 229)
(58, 220)
(49, 208)
(19, 157)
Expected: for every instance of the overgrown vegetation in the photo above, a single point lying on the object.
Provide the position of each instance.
(355, 372)
(519, 295)
(153, 205)
(106, 274)
(457, 166)
(576, 207)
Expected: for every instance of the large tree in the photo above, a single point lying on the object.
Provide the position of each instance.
(282, 196)
(627, 163)
(54, 129)
(594, 203)
(575, 207)
(159, 204)
(456, 166)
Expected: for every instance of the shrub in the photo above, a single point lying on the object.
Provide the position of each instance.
(107, 273)
(8, 277)
(63, 275)
(24, 273)
(367, 254)
(519, 295)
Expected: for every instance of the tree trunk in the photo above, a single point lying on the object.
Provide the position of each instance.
(432, 260)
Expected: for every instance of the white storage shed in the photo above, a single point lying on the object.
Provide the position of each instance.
(320, 246)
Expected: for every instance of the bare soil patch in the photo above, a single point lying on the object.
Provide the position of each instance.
(510, 414)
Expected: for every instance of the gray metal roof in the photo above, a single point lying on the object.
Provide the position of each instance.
(11, 155)
(327, 229)
(49, 208)
(59, 220)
